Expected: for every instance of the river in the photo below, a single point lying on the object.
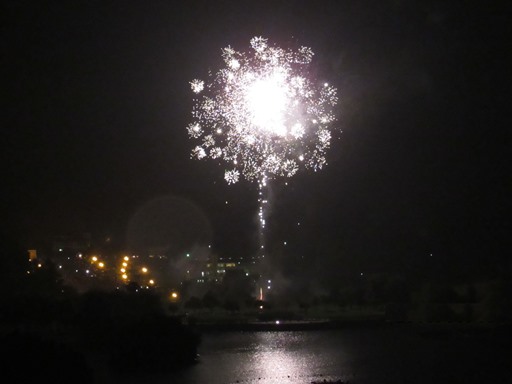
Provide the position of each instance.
(385, 354)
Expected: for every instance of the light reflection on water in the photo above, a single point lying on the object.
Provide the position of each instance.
(270, 358)
(279, 357)
(357, 356)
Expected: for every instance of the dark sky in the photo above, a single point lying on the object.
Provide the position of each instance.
(96, 100)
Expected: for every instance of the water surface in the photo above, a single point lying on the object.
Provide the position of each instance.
(358, 355)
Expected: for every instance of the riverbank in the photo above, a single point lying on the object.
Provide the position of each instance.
(440, 330)
(280, 320)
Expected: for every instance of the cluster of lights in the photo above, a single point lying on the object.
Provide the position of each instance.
(96, 263)
(94, 266)
(125, 269)
(262, 115)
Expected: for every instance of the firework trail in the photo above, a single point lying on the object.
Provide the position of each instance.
(263, 116)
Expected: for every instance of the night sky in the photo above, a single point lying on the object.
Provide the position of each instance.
(96, 100)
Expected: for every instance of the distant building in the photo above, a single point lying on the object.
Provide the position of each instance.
(32, 254)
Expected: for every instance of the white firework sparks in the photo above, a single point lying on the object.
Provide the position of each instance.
(262, 115)
(197, 85)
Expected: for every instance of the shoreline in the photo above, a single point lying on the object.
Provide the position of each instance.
(425, 329)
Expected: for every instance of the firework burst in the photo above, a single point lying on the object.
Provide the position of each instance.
(261, 114)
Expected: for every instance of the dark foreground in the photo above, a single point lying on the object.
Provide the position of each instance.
(82, 354)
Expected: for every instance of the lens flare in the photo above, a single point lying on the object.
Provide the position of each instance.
(262, 114)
